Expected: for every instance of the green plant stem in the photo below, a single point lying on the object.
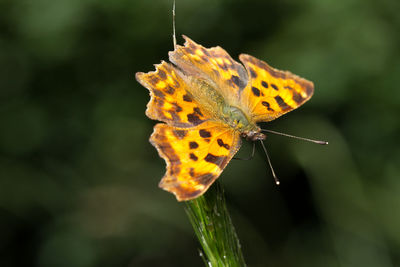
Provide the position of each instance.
(210, 219)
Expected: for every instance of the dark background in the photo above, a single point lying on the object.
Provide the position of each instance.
(78, 178)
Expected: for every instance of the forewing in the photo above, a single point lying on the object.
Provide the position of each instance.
(195, 156)
(170, 98)
(271, 93)
(213, 64)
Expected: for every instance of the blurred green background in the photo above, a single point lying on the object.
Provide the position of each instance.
(78, 178)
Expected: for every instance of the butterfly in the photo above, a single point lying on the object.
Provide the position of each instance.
(207, 102)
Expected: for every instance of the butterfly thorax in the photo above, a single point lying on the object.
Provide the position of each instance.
(221, 109)
(237, 119)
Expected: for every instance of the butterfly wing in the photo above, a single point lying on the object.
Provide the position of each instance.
(170, 101)
(271, 93)
(195, 147)
(195, 156)
(212, 64)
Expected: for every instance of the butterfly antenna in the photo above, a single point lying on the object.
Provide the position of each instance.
(269, 162)
(173, 25)
(297, 137)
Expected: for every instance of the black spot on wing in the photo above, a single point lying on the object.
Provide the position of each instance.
(153, 80)
(197, 110)
(173, 114)
(204, 133)
(223, 66)
(217, 160)
(205, 51)
(169, 90)
(162, 74)
(190, 50)
(235, 79)
(239, 82)
(297, 97)
(206, 178)
(266, 104)
(158, 93)
(193, 145)
(193, 157)
(253, 74)
(185, 193)
(177, 108)
(204, 58)
(159, 101)
(194, 118)
(274, 86)
(179, 133)
(191, 172)
(222, 144)
(264, 84)
(255, 91)
(187, 98)
(282, 103)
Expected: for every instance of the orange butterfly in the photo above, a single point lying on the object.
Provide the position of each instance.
(208, 101)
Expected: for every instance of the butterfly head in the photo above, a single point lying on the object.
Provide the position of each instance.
(253, 135)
